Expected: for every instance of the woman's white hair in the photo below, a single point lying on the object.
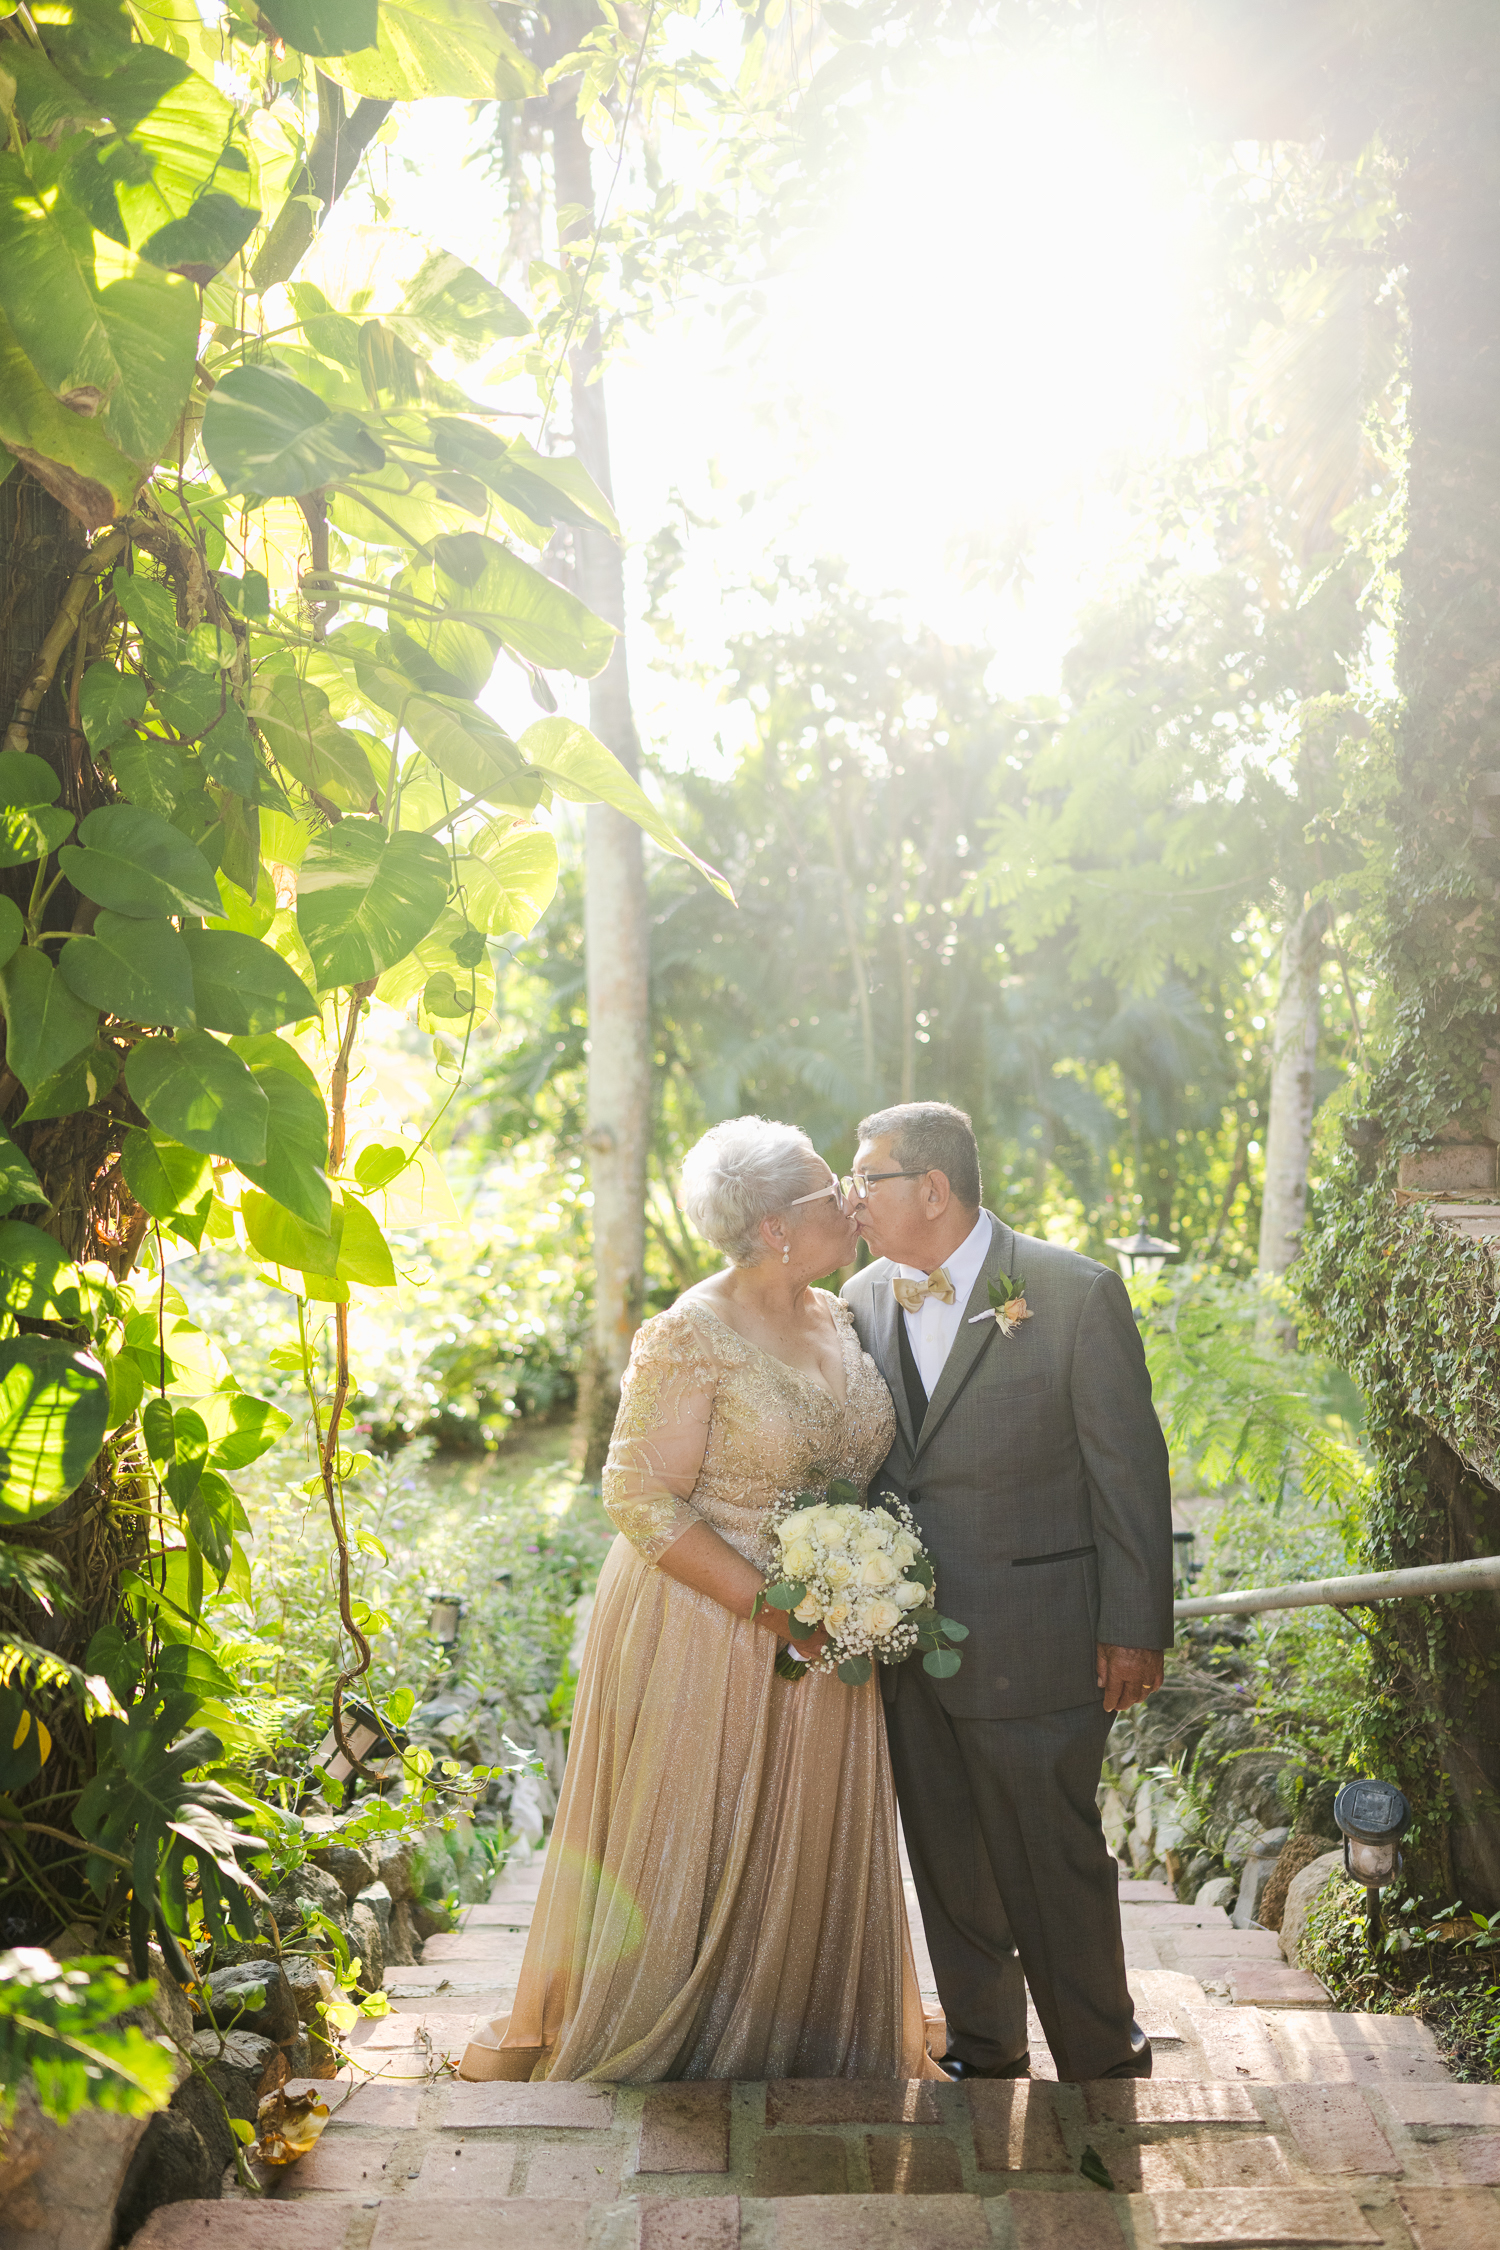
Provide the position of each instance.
(740, 1173)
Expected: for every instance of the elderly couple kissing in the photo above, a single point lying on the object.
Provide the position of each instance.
(722, 1896)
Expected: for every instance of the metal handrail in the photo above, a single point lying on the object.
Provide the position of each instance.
(1475, 1576)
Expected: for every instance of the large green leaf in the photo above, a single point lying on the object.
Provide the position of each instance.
(364, 1253)
(31, 824)
(124, 349)
(465, 743)
(296, 1147)
(276, 1235)
(137, 969)
(54, 1410)
(172, 1184)
(324, 27)
(474, 581)
(301, 735)
(196, 1091)
(19, 1185)
(578, 766)
(38, 1280)
(364, 900)
(269, 435)
(71, 455)
(507, 877)
(61, 2034)
(449, 303)
(111, 704)
(45, 1025)
(136, 863)
(241, 986)
(202, 242)
(12, 929)
(431, 47)
(551, 489)
(89, 1079)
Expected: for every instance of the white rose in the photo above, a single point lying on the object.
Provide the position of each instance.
(836, 1615)
(799, 1557)
(905, 1549)
(879, 1570)
(866, 1540)
(882, 1517)
(834, 1525)
(910, 1596)
(798, 1524)
(880, 1617)
(837, 1571)
(809, 1610)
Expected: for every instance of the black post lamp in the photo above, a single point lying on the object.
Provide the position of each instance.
(1188, 1566)
(1372, 1817)
(446, 1617)
(1140, 1252)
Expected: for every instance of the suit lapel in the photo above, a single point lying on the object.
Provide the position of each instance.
(885, 1350)
(971, 1343)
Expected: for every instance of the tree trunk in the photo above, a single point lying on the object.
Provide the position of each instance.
(616, 923)
(1294, 1056)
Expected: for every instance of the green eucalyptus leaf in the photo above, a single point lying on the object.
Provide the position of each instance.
(54, 1411)
(241, 986)
(45, 1024)
(267, 434)
(363, 901)
(855, 1670)
(578, 766)
(140, 970)
(195, 1090)
(111, 705)
(942, 1663)
(136, 863)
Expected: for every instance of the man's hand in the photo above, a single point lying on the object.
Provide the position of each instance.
(1127, 1675)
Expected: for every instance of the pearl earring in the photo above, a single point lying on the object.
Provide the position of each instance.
(786, 1253)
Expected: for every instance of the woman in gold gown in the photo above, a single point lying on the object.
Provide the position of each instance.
(722, 1895)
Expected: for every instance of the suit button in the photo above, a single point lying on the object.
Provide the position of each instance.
(914, 1497)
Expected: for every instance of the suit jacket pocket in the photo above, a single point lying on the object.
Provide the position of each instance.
(1064, 1554)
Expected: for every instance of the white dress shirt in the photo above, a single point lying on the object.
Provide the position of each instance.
(931, 1330)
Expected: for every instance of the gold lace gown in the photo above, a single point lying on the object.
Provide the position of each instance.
(722, 1895)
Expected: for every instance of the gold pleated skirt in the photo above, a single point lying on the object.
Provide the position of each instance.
(722, 1895)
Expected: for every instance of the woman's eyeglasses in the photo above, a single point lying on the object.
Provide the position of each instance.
(854, 1186)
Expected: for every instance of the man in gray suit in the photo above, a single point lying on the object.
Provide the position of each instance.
(1030, 1455)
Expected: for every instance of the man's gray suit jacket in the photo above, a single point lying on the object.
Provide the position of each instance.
(1038, 1481)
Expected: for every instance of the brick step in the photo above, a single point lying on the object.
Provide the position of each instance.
(837, 2164)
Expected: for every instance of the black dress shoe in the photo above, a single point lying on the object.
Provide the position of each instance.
(956, 2067)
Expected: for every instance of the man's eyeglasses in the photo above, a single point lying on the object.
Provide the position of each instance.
(854, 1185)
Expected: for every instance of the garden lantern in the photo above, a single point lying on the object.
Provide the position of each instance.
(1372, 1817)
(1188, 1566)
(1141, 1253)
(364, 1731)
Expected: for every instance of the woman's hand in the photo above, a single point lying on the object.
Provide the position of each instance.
(808, 1644)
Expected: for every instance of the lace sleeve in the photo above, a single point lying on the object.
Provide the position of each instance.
(661, 1430)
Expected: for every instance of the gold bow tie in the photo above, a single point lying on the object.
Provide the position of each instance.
(912, 1295)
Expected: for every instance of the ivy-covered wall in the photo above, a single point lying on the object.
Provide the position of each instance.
(1406, 1304)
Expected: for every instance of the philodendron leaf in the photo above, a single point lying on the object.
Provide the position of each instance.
(364, 900)
(137, 969)
(54, 1410)
(81, 1084)
(45, 1024)
(38, 1280)
(31, 824)
(429, 47)
(508, 877)
(266, 433)
(364, 1253)
(134, 862)
(241, 986)
(324, 27)
(172, 1184)
(202, 242)
(449, 303)
(578, 766)
(199, 1092)
(19, 1185)
(282, 1240)
(548, 488)
(111, 705)
(292, 1170)
(12, 929)
(475, 582)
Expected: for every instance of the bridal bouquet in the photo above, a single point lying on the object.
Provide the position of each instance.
(863, 1575)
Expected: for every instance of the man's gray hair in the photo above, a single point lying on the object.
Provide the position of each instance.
(740, 1173)
(931, 1137)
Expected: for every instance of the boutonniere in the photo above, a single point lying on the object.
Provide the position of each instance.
(1007, 1304)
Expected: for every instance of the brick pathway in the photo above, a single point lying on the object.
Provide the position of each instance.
(1270, 2120)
